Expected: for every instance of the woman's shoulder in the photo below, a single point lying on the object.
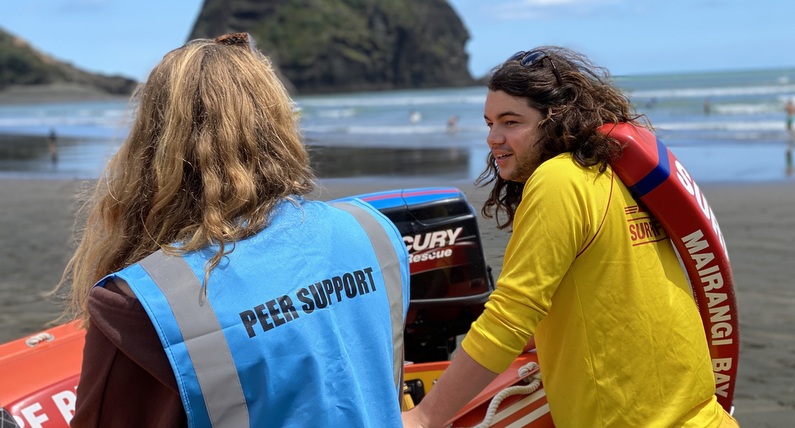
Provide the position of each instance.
(123, 321)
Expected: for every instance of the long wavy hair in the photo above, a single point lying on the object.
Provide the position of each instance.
(213, 147)
(576, 98)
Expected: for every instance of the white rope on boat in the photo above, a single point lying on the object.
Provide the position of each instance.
(39, 338)
(528, 389)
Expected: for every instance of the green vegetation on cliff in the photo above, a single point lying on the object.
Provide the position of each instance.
(350, 45)
(316, 45)
(22, 65)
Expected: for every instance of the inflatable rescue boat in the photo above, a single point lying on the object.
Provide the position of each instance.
(450, 282)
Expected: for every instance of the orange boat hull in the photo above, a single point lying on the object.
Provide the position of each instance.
(39, 375)
(519, 410)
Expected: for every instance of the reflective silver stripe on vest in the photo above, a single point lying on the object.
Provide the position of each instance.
(390, 268)
(206, 344)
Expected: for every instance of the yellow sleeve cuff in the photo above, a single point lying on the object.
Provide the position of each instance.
(485, 352)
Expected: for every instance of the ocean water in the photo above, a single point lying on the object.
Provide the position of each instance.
(723, 126)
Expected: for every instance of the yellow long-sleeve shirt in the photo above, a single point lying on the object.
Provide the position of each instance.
(594, 277)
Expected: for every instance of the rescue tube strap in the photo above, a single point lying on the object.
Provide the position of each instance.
(215, 371)
(656, 176)
(390, 269)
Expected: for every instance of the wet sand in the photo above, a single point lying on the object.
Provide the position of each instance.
(758, 223)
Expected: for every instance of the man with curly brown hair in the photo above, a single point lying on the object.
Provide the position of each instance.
(598, 287)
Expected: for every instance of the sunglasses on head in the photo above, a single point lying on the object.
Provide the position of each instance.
(529, 59)
(230, 39)
(236, 39)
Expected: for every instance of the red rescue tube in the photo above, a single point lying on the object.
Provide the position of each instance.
(660, 181)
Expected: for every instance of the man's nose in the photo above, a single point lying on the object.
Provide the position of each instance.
(494, 138)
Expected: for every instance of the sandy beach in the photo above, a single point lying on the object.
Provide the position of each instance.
(758, 223)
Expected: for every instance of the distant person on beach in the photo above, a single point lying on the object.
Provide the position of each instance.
(707, 106)
(620, 341)
(790, 110)
(452, 125)
(214, 292)
(52, 146)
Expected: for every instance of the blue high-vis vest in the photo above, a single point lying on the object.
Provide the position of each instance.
(302, 324)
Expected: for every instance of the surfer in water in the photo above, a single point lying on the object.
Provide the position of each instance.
(588, 273)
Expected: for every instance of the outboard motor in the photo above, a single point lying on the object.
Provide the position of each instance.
(450, 280)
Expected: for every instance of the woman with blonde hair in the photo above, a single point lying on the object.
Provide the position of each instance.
(213, 291)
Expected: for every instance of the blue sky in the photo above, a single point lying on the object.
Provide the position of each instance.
(627, 36)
